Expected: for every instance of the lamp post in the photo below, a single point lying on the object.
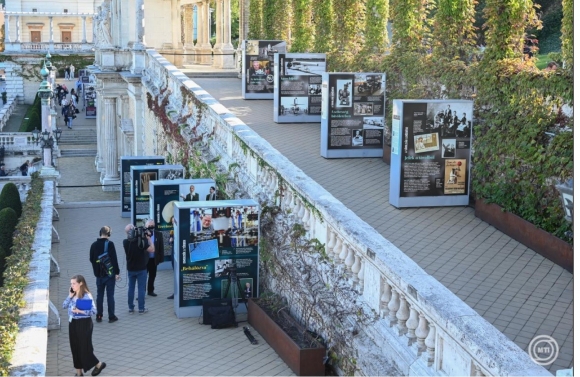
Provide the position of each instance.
(47, 137)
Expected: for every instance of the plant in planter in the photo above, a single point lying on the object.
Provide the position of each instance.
(315, 293)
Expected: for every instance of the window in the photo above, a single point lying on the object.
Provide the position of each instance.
(34, 10)
(66, 36)
(35, 36)
(66, 11)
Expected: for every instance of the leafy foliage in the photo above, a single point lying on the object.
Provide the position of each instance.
(8, 221)
(15, 275)
(32, 119)
(568, 35)
(10, 198)
(303, 35)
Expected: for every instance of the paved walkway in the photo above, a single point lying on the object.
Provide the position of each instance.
(520, 292)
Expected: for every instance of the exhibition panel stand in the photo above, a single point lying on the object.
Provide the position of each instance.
(298, 87)
(165, 193)
(353, 115)
(215, 254)
(141, 175)
(126, 163)
(430, 153)
(258, 68)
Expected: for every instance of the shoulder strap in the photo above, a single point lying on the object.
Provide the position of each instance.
(106, 246)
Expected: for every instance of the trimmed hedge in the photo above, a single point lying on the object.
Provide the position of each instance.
(8, 221)
(32, 119)
(10, 198)
(16, 273)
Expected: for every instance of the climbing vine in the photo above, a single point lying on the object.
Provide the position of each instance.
(303, 31)
(323, 17)
(568, 34)
(255, 20)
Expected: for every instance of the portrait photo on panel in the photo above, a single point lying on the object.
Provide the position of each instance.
(357, 138)
(344, 93)
(448, 148)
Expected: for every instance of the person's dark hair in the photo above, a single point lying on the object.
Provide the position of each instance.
(105, 231)
(83, 288)
(552, 65)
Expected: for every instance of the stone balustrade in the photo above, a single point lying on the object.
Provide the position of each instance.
(21, 182)
(423, 328)
(6, 111)
(39, 314)
(19, 142)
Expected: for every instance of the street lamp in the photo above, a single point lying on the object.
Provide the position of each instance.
(47, 137)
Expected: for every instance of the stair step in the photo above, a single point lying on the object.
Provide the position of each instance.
(78, 152)
(208, 75)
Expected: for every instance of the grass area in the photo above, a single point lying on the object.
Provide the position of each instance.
(542, 61)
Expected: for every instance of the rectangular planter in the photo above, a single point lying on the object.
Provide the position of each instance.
(542, 242)
(302, 361)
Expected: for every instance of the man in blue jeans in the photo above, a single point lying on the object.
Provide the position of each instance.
(103, 257)
(137, 253)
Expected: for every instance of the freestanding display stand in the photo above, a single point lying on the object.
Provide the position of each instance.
(126, 163)
(216, 242)
(298, 87)
(165, 193)
(141, 175)
(258, 68)
(430, 153)
(353, 115)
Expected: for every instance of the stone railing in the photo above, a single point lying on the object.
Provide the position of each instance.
(19, 142)
(47, 46)
(21, 182)
(39, 314)
(423, 329)
(6, 111)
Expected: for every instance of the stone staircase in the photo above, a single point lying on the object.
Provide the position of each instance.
(206, 72)
(85, 138)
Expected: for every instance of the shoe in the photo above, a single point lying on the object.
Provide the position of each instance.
(131, 311)
(79, 374)
(113, 319)
(96, 371)
(152, 294)
(143, 311)
(170, 297)
(99, 318)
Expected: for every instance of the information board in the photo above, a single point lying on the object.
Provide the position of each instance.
(167, 192)
(353, 115)
(430, 153)
(215, 241)
(298, 87)
(258, 68)
(141, 175)
(126, 163)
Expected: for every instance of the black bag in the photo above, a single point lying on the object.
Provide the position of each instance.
(105, 261)
(222, 317)
(77, 111)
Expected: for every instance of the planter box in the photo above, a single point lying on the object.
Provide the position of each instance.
(542, 242)
(302, 361)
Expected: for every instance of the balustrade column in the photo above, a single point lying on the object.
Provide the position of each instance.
(17, 29)
(84, 29)
(139, 29)
(7, 29)
(51, 30)
(110, 130)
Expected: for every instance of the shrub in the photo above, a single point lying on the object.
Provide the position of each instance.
(10, 197)
(32, 117)
(2, 264)
(8, 221)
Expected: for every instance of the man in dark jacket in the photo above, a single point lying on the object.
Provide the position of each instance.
(106, 270)
(137, 257)
(156, 256)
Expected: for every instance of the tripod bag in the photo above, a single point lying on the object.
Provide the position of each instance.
(222, 317)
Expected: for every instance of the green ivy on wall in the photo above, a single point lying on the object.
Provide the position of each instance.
(303, 31)
(323, 18)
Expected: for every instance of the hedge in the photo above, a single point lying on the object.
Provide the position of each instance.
(10, 198)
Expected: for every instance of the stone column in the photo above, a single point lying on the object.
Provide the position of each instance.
(139, 29)
(7, 29)
(224, 57)
(17, 29)
(199, 28)
(205, 48)
(99, 161)
(110, 138)
(188, 32)
(219, 24)
(84, 29)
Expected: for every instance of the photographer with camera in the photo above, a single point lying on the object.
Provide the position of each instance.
(137, 246)
(156, 256)
(103, 257)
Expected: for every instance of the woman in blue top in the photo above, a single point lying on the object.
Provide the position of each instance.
(80, 328)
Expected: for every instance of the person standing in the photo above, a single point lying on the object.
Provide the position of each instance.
(3, 171)
(192, 196)
(137, 257)
(67, 72)
(24, 168)
(211, 195)
(80, 328)
(156, 256)
(72, 71)
(106, 273)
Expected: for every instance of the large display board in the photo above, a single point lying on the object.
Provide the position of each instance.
(141, 175)
(430, 153)
(353, 115)
(126, 163)
(298, 87)
(163, 194)
(258, 68)
(213, 241)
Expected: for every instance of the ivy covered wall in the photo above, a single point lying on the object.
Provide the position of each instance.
(523, 137)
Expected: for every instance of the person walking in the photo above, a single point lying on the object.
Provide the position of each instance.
(137, 254)
(103, 257)
(155, 257)
(24, 168)
(67, 72)
(81, 307)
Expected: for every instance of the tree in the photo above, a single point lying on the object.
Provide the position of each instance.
(10, 198)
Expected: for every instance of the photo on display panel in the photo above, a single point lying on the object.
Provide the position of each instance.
(344, 93)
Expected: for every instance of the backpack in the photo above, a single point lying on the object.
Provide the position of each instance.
(105, 261)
